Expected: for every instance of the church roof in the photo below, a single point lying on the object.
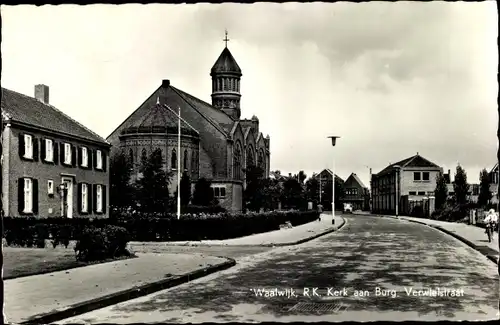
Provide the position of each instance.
(159, 119)
(226, 63)
(28, 110)
(192, 108)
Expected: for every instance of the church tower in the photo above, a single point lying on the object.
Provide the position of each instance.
(226, 75)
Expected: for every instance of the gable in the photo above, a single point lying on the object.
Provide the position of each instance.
(419, 161)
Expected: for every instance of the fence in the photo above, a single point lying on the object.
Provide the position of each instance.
(422, 208)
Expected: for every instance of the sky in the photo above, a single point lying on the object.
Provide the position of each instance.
(391, 79)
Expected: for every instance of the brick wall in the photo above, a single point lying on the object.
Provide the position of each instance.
(16, 168)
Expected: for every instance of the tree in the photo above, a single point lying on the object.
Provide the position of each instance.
(203, 194)
(484, 189)
(185, 189)
(121, 191)
(272, 193)
(460, 186)
(312, 190)
(441, 191)
(152, 187)
(253, 194)
(293, 193)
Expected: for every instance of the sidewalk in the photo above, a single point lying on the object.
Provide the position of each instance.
(282, 237)
(471, 235)
(96, 286)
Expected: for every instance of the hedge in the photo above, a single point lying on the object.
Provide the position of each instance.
(29, 231)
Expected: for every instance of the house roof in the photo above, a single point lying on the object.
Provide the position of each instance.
(358, 180)
(226, 63)
(329, 171)
(494, 168)
(414, 161)
(27, 110)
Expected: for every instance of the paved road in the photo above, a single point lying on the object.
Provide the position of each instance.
(368, 254)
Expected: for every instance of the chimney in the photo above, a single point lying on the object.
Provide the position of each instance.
(42, 93)
(165, 83)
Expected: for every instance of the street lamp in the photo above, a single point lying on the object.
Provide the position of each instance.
(397, 167)
(334, 140)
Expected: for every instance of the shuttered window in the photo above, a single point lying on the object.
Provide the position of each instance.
(28, 146)
(85, 157)
(49, 150)
(99, 199)
(28, 195)
(67, 153)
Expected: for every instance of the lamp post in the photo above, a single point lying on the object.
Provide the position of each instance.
(334, 141)
(397, 167)
(178, 115)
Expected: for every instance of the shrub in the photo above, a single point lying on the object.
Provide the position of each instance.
(101, 243)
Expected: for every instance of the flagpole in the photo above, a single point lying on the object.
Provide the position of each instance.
(179, 167)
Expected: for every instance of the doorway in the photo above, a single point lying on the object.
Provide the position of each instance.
(67, 199)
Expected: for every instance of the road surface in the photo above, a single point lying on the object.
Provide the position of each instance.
(372, 269)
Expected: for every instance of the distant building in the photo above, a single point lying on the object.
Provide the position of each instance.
(416, 181)
(325, 182)
(356, 193)
(52, 165)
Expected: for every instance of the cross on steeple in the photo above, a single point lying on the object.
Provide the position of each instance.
(226, 39)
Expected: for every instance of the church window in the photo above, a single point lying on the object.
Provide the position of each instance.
(224, 84)
(232, 84)
(186, 167)
(173, 160)
(261, 160)
(237, 162)
(144, 155)
(237, 85)
(193, 162)
(219, 84)
(131, 156)
(250, 157)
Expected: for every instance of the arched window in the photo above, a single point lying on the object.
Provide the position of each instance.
(173, 160)
(186, 166)
(261, 161)
(193, 162)
(237, 162)
(131, 156)
(250, 157)
(144, 155)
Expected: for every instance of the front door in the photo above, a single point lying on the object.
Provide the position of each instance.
(67, 199)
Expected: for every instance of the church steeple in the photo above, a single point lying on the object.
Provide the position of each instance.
(226, 75)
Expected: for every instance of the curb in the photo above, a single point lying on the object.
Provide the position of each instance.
(124, 295)
(492, 258)
(333, 229)
(330, 230)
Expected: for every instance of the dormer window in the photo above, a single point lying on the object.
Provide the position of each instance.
(98, 159)
(28, 146)
(67, 154)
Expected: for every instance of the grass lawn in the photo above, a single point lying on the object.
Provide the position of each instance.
(18, 262)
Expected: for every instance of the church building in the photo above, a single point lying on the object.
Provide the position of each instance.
(216, 143)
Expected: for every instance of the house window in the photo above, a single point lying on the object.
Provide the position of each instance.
(67, 153)
(84, 198)
(186, 160)
(28, 195)
(28, 146)
(50, 187)
(425, 176)
(49, 150)
(413, 193)
(85, 157)
(416, 176)
(219, 192)
(421, 193)
(98, 159)
(99, 198)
